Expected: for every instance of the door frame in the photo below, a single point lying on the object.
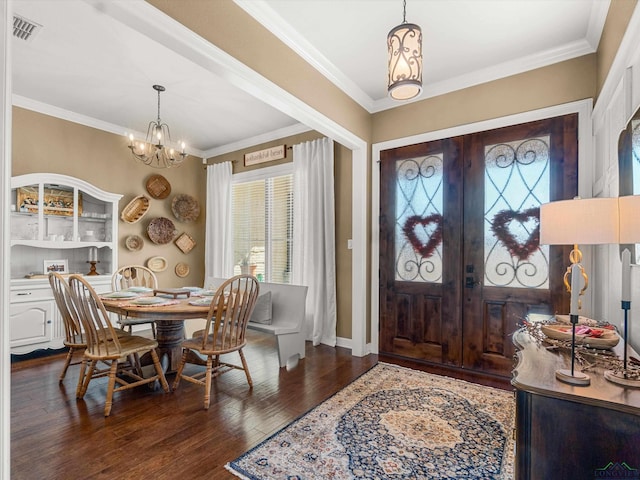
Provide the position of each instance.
(583, 108)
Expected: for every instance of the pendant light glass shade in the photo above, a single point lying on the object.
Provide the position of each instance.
(405, 61)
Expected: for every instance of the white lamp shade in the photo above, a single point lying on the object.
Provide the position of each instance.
(629, 219)
(585, 221)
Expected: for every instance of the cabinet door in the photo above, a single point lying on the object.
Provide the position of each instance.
(31, 322)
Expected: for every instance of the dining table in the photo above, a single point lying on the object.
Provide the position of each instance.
(169, 319)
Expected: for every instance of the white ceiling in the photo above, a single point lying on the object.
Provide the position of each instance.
(95, 61)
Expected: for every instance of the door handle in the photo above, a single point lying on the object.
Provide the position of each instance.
(469, 282)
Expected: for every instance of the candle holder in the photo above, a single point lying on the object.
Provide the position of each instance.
(92, 269)
(616, 376)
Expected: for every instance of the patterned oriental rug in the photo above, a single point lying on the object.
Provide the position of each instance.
(393, 422)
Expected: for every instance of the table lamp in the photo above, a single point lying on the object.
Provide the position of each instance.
(588, 221)
(629, 209)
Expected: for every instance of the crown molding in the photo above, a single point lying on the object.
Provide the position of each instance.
(599, 11)
(257, 140)
(262, 12)
(269, 18)
(68, 115)
(496, 72)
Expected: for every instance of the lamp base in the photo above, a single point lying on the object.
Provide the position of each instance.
(578, 378)
(621, 379)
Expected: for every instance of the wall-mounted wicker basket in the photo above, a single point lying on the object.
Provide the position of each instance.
(135, 209)
(134, 243)
(185, 208)
(161, 230)
(158, 187)
(185, 243)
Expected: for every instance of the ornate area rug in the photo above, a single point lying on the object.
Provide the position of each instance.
(393, 422)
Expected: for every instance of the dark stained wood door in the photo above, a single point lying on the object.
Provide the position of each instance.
(460, 261)
(421, 294)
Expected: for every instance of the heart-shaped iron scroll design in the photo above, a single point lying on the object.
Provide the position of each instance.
(424, 249)
(500, 228)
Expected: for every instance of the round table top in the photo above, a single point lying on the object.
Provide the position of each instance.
(182, 310)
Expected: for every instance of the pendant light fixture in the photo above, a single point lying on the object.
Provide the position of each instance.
(405, 59)
(155, 150)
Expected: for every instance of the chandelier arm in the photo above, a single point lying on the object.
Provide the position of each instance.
(154, 153)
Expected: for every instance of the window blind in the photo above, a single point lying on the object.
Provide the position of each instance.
(263, 227)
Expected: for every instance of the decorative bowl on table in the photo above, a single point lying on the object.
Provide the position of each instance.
(594, 337)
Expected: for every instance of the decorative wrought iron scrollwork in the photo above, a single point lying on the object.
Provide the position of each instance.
(516, 183)
(418, 231)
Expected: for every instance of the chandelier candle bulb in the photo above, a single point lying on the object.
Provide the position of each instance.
(626, 275)
(575, 289)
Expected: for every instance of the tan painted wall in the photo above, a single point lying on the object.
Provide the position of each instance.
(614, 28)
(46, 144)
(553, 85)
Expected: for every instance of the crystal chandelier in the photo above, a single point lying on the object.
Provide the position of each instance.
(405, 59)
(152, 151)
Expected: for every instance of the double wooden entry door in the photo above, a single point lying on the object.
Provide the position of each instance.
(460, 262)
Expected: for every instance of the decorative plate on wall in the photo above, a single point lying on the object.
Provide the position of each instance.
(185, 243)
(134, 243)
(135, 209)
(182, 269)
(157, 264)
(161, 230)
(185, 208)
(158, 187)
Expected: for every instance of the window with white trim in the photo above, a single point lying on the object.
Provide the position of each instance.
(263, 223)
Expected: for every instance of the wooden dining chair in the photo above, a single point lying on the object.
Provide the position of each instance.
(134, 276)
(74, 338)
(104, 345)
(224, 332)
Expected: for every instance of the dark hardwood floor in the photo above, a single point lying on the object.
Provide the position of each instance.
(151, 434)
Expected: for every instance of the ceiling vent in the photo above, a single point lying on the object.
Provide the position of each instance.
(25, 29)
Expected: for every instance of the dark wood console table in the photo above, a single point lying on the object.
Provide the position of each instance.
(571, 432)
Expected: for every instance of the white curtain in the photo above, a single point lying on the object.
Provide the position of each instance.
(314, 253)
(218, 249)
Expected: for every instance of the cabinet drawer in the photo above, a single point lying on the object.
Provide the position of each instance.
(30, 294)
(31, 322)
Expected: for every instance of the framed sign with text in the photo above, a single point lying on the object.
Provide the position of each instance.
(267, 155)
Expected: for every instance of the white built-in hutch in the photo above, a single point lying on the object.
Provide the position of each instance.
(58, 223)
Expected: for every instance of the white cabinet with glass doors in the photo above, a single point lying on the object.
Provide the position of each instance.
(58, 223)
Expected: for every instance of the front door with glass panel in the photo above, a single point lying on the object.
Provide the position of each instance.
(460, 262)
